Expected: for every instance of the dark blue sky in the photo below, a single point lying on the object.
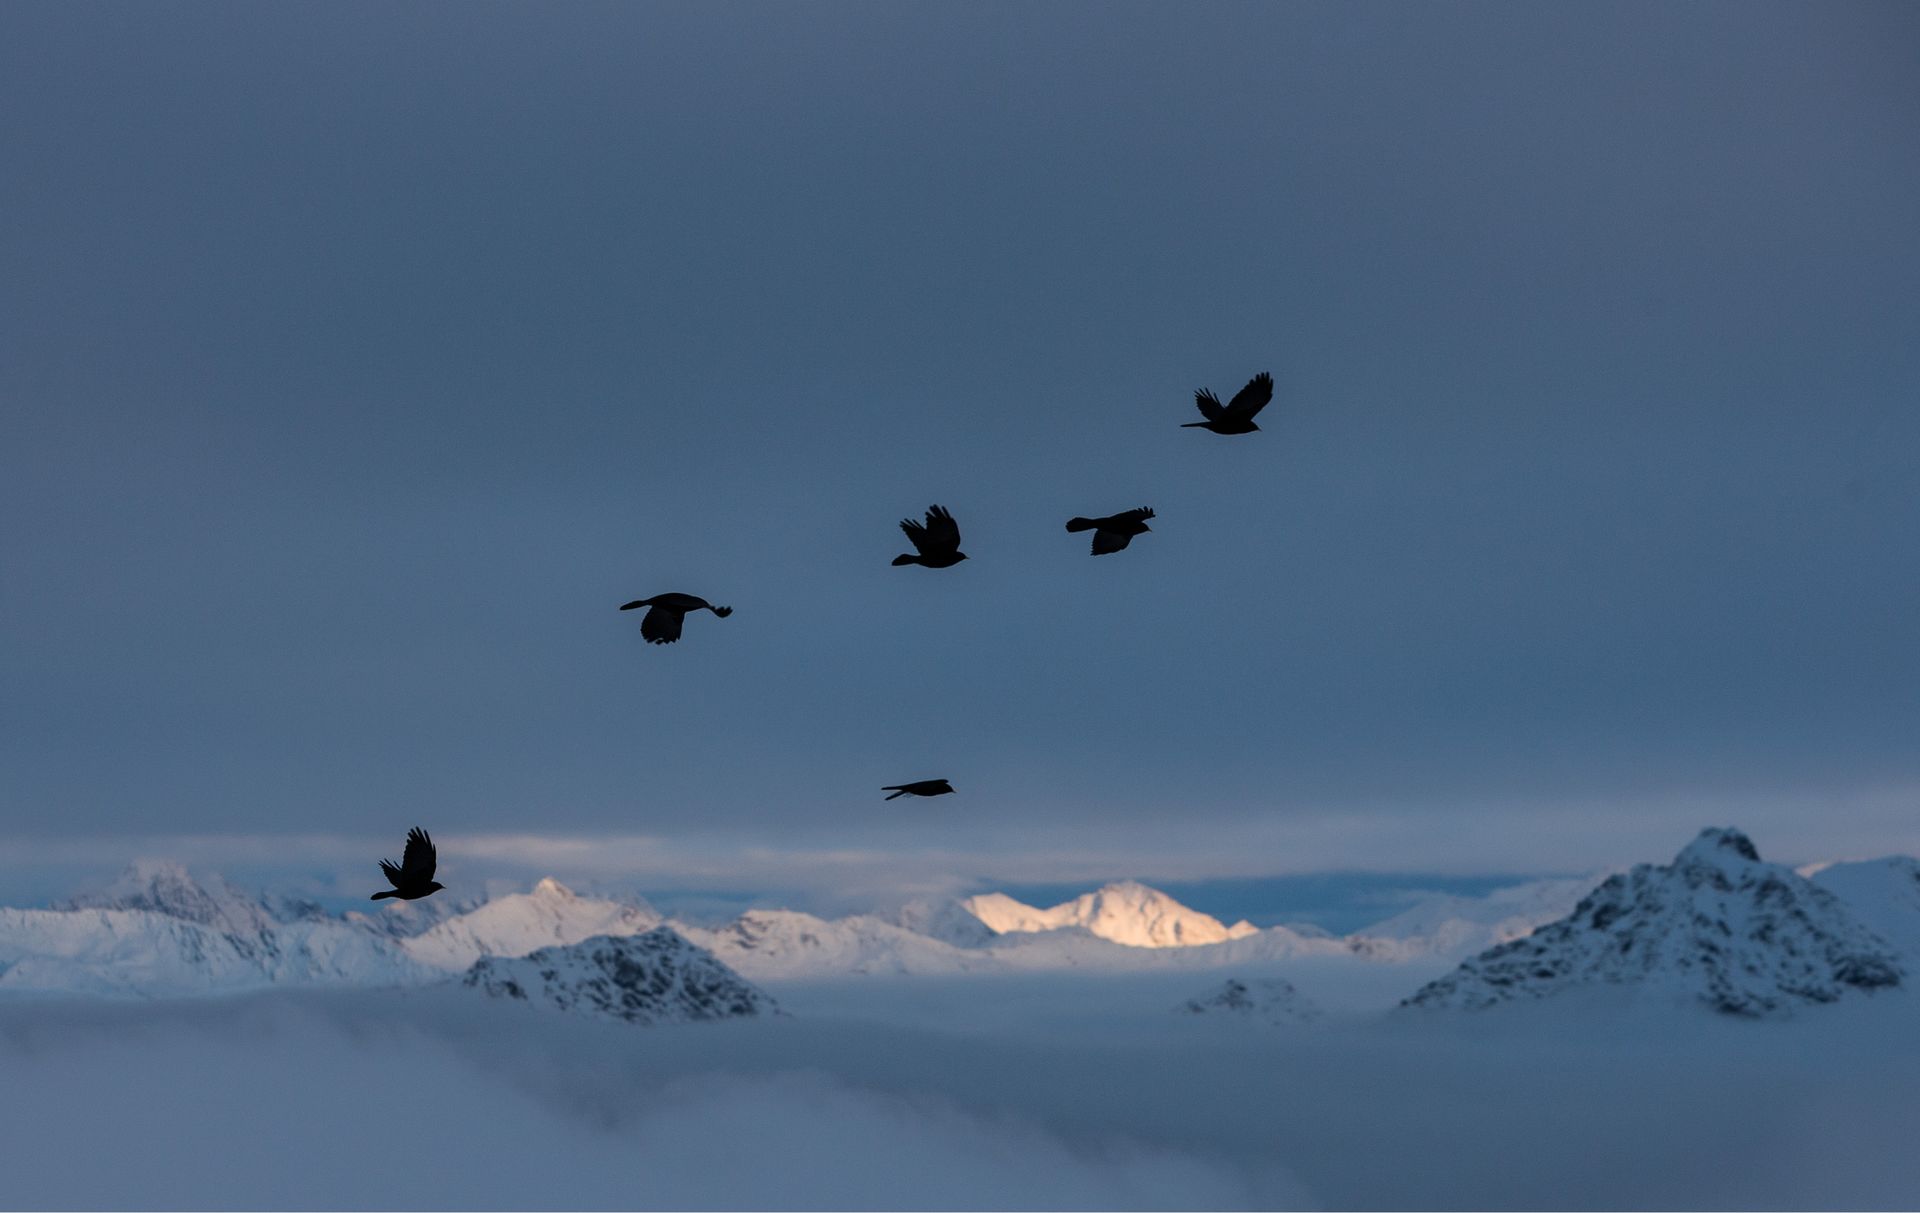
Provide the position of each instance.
(359, 360)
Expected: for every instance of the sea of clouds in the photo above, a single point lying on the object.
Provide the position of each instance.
(1099, 1097)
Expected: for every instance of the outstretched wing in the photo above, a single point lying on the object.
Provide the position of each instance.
(1105, 541)
(1128, 519)
(661, 625)
(916, 535)
(418, 863)
(1251, 398)
(942, 530)
(939, 536)
(391, 872)
(1209, 405)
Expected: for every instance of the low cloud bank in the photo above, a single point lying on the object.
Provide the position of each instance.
(274, 1104)
(435, 1098)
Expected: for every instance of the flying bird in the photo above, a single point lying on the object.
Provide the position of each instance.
(1115, 531)
(412, 878)
(919, 787)
(937, 543)
(1235, 416)
(666, 612)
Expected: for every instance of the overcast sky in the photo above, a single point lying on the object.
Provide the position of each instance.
(357, 361)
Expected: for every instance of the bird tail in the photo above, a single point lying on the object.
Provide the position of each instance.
(1081, 524)
(897, 792)
(905, 559)
(1194, 425)
(388, 893)
(723, 612)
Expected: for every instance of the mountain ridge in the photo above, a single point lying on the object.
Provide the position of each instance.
(160, 930)
(1717, 926)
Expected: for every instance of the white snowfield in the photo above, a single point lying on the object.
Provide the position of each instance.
(158, 931)
(1748, 937)
(1884, 894)
(519, 923)
(1460, 926)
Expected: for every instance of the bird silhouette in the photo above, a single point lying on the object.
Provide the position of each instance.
(1235, 416)
(1115, 531)
(919, 787)
(412, 878)
(666, 612)
(937, 543)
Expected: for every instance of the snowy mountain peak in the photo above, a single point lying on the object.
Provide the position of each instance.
(1458, 927)
(1718, 925)
(1125, 912)
(653, 977)
(514, 925)
(1721, 848)
(944, 919)
(162, 886)
(159, 930)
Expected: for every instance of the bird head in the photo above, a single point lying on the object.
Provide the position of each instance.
(959, 555)
(434, 886)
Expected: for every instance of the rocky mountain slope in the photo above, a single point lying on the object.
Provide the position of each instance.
(1717, 925)
(651, 978)
(1265, 1000)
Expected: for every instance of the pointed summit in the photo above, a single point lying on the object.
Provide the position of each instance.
(1718, 847)
(549, 916)
(1718, 926)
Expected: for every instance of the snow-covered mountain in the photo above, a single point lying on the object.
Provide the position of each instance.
(650, 978)
(398, 919)
(784, 945)
(1717, 925)
(1127, 913)
(161, 886)
(1266, 1000)
(520, 923)
(1444, 925)
(947, 920)
(159, 931)
(1884, 894)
